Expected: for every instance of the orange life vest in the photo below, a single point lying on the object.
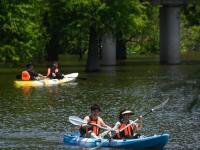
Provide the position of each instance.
(94, 129)
(25, 75)
(126, 133)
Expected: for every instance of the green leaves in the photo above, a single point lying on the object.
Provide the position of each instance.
(28, 29)
(21, 31)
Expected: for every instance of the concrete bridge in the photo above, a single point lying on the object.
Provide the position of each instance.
(169, 30)
(169, 34)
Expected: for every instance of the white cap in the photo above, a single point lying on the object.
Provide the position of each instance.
(127, 112)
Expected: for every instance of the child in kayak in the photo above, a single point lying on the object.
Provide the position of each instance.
(94, 123)
(53, 72)
(30, 74)
(127, 126)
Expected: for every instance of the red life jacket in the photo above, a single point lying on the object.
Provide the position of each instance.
(94, 129)
(25, 75)
(126, 133)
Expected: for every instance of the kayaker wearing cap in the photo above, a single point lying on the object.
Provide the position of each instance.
(53, 72)
(89, 129)
(30, 74)
(123, 122)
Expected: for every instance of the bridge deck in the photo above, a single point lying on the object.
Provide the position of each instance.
(168, 2)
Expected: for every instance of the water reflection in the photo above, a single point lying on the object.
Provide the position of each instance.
(37, 118)
(27, 90)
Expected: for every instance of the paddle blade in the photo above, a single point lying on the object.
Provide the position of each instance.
(76, 120)
(161, 105)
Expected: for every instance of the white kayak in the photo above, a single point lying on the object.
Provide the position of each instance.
(47, 82)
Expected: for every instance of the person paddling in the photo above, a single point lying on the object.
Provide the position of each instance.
(89, 129)
(30, 74)
(123, 122)
(53, 72)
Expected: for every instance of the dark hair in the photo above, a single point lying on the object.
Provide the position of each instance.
(95, 107)
(53, 65)
(28, 65)
(121, 116)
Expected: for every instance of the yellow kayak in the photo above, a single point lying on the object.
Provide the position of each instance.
(47, 82)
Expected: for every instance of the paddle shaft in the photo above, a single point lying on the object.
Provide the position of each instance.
(152, 110)
(78, 121)
(93, 124)
(135, 120)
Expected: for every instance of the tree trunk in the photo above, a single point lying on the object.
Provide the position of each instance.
(93, 59)
(53, 49)
(121, 48)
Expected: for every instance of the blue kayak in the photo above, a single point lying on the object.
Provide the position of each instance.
(144, 142)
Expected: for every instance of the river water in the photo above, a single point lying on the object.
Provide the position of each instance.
(37, 118)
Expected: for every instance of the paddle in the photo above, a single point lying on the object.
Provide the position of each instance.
(152, 110)
(78, 121)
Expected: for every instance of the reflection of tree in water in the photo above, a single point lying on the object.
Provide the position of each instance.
(53, 94)
(193, 103)
(195, 100)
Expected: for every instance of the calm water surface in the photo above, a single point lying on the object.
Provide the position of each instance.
(37, 118)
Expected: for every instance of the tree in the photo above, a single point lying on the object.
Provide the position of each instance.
(190, 27)
(22, 36)
(125, 19)
(55, 20)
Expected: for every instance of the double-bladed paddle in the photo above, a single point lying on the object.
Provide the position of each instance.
(78, 121)
(152, 110)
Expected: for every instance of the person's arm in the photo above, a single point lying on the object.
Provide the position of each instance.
(33, 74)
(56, 71)
(116, 127)
(102, 123)
(86, 119)
(138, 125)
(48, 72)
(40, 75)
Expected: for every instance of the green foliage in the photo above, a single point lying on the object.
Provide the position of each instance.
(192, 13)
(126, 17)
(146, 37)
(22, 36)
(191, 39)
(27, 28)
(81, 14)
(190, 27)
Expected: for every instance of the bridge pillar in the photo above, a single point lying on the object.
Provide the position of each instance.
(108, 49)
(169, 35)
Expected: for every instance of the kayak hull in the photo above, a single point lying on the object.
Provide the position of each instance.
(47, 82)
(147, 142)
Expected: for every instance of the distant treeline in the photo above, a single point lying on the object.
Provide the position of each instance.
(43, 29)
